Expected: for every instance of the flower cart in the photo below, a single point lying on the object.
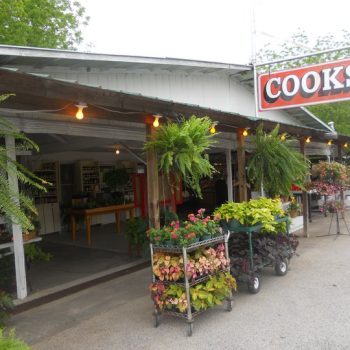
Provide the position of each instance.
(193, 275)
(259, 237)
(250, 251)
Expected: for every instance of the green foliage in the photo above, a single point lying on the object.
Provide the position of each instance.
(275, 164)
(262, 211)
(6, 305)
(10, 342)
(42, 23)
(35, 253)
(203, 295)
(338, 111)
(213, 292)
(181, 149)
(167, 216)
(116, 178)
(9, 200)
(135, 231)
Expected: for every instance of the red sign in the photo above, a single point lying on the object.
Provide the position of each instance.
(320, 83)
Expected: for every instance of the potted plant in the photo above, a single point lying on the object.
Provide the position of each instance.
(6, 305)
(182, 147)
(262, 211)
(10, 342)
(117, 180)
(135, 231)
(274, 164)
(293, 208)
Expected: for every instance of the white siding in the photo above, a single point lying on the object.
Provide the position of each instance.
(216, 91)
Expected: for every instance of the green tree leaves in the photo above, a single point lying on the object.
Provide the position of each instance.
(301, 44)
(42, 23)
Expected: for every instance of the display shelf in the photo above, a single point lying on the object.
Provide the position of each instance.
(48, 171)
(191, 247)
(87, 176)
(186, 284)
(193, 282)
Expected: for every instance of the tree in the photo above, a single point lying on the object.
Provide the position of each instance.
(301, 44)
(42, 23)
(17, 207)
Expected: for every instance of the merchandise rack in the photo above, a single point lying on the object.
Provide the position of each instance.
(251, 276)
(190, 314)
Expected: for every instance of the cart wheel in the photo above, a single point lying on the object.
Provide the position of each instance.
(254, 285)
(281, 267)
(189, 329)
(155, 320)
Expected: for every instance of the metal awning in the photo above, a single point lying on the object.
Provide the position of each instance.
(38, 92)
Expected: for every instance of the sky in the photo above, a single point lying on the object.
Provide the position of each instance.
(218, 30)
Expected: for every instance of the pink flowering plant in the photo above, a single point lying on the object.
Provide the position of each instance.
(333, 206)
(206, 261)
(197, 227)
(331, 172)
(324, 188)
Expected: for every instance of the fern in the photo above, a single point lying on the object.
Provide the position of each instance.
(274, 163)
(17, 207)
(181, 149)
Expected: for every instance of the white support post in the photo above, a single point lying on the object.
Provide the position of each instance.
(229, 175)
(21, 280)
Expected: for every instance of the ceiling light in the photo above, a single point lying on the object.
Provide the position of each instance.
(80, 115)
(156, 120)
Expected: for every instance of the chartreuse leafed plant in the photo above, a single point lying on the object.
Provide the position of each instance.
(9, 200)
(10, 342)
(203, 295)
(275, 164)
(262, 211)
(182, 147)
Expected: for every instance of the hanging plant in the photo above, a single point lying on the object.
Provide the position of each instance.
(181, 150)
(275, 164)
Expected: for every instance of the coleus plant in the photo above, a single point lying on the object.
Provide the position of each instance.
(167, 267)
(203, 295)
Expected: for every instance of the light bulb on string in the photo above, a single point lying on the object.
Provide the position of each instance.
(308, 139)
(245, 132)
(80, 114)
(156, 120)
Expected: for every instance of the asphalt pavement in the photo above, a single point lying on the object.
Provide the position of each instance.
(309, 308)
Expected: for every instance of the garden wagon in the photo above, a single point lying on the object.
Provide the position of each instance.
(250, 251)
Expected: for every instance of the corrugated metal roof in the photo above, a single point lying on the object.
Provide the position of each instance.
(40, 57)
(142, 104)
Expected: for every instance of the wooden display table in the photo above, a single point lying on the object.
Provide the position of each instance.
(89, 213)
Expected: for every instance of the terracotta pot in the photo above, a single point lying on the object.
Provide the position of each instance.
(293, 213)
(29, 235)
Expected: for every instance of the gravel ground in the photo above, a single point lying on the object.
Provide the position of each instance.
(309, 308)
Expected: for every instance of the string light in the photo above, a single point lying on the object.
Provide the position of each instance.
(308, 139)
(245, 132)
(80, 115)
(213, 129)
(345, 145)
(156, 120)
(117, 151)
(329, 143)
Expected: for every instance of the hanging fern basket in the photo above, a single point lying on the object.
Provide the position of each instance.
(182, 150)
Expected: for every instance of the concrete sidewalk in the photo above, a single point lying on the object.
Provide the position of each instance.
(309, 308)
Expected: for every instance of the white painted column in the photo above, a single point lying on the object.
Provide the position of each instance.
(21, 280)
(229, 175)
